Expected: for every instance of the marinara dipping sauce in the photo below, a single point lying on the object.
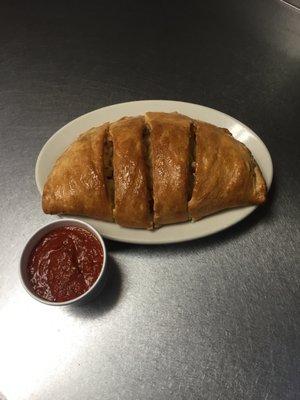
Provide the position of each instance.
(65, 263)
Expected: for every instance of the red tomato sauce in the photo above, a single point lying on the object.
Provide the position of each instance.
(65, 263)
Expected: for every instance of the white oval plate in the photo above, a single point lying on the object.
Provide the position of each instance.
(171, 233)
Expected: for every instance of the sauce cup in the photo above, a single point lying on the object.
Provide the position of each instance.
(34, 240)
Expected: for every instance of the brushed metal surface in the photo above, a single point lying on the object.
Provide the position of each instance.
(216, 318)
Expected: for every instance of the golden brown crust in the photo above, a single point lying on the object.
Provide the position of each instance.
(226, 173)
(158, 165)
(132, 203)
(169, 148)
(76, 184)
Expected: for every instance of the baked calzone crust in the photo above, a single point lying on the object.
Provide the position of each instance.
(153, 170)
(77, 182)
(169, 150)
(132, 200)
(226, 174)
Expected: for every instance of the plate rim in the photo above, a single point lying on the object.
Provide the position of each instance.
(248, 209)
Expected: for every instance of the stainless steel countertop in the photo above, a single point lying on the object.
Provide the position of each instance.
(216, 318)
